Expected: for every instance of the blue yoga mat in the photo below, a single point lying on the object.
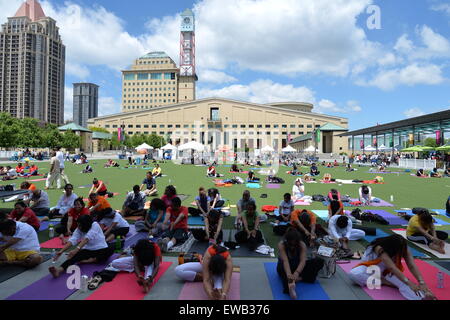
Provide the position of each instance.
(438, 221)
(382, 234)
(323, 214)
(253, 186)
(196, 221)
(305, 291)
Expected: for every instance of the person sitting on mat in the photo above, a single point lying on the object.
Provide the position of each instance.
(24, 214)
(88, 169)
(435, 174)
(332, 193)
(32, 171)
(157, 172)
(305, 222)
(234, 168)
(293, 266)
(98, 205)
(113, 225)
(285, 208)
(203, 204)
(98, 187)
(420, 173)
(170, 193)
(387, 253)
(335, 207)
(211, 171)
(215, 271)
(251, 177)
(26, 185)
(134, 203)
(149, 185)
(251, 233)
(421, 230)
(365, 195)
(19, 244)
(215, 200)
(91, 246)
(298, 191)
(65, 203)
(20, 169)
(349, 168)
(213, 229)
(144, 261)
(11, 174)
(153, 218)
(447, 207)
(314, 170)
(177, 215)
(68, 223)
(39, 203)
(326, 178)
(241, 206)
(446, 173)
(341, 230)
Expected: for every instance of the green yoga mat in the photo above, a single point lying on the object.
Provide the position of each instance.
(8, 272)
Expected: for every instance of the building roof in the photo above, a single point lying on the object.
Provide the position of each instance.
(187, 12)
(422, 121)
(31, 9)
(139, 112)
(74, 127)
(101, 135)
(155, 55)
(332, 127)
(302, 138)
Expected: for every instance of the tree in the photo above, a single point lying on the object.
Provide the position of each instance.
(9, 127)
(430, 142)
(29, 134)
(156, 141)
(98, 129)
(51, 137)
(71, 140)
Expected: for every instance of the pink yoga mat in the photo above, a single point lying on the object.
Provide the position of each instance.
(273, 186)
(195, 291)
(54, 243)
(36, 180)
(301, 203)
(125, 287)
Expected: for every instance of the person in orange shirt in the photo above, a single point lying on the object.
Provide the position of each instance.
(335, 207)
(305, 222)
(33, 171)
(20, 169)
(98, 205)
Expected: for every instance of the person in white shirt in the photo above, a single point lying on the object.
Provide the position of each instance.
(298, 191)
(19, 244)
(365, 195)
(341, 229)
(134, 203)
(55, 172)
(91, 246)
(62, 176)
(114, 225)
(65, 203)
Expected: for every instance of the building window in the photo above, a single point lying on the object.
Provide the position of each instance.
(284, 126)
(317, 125)
(130, 126)
(267, 126)
(309, 126)
(251, 125)
(138, 126)
(114, 126)
(177, 126)
(130, 132)
(275, 126)
(161, 126)
(243, 126)
(301, 133)
(301, 126)
(292, 126)
(169, 126)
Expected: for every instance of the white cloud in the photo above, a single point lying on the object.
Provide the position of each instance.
(79, 71)
(108, 105)
(413, 112)
(414, 74)
(8, 9)
(267, 91)
(445, 7)
(404, 44)
(217, 77)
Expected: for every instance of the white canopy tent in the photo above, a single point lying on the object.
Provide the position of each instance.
(289, 149)
(169, 147)
(267, 149)
(311, 149)
(192, 145)
(144, 146)
(370, 149)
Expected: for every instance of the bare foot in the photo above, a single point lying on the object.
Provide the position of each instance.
(54, 272)
(292, 292)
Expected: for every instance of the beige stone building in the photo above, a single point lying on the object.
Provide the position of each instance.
(154, 80)
(216, 122)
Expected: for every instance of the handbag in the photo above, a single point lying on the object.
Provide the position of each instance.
(189, 257)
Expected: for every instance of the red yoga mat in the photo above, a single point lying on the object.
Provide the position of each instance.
(195, 290)
(54, 243)
(125, 287)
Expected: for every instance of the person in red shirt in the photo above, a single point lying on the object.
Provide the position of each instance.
(33, 171)
(24, 214)
(98, 187)
(211, 172)
(169, 194)
(20, 169)
(69, 221)
(177, 216)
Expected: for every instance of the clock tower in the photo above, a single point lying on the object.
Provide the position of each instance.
(188, 76)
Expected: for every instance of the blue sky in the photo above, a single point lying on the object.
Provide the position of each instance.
(264, 51)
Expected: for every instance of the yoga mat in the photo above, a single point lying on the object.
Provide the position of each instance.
(437, 219)
(305, 291)
(195, 290)
(253, 185)
(302, 203)
(49, 288)
(323, 214)
(85, 186)
(8, 272)
(125, 287)
(37, 180)
(382, 234)
(45, 225)
(442, 212)
(54, 243)
(243, 250)
(196, 221)
(402, 232)
(393, 220)
(273, 186)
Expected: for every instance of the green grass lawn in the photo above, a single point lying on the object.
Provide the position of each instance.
(408, 191)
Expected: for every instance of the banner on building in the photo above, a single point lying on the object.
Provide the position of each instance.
(361, 144)
(411, 139)
(119, 134)
(375, 141)
(318, 135)
(438, 137)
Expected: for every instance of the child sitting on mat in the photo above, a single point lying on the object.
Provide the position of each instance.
(421, 230)
(251, 233)
(285, 209)
(215, 271)
(365, 195)
(387, 253)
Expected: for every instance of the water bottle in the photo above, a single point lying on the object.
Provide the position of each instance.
(84, 283)
(392, 198)
(53, 256)
(440, 280)
(51, 231)
(118, 244)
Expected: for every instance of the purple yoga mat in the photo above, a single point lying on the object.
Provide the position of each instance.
(273, 186)
(382, 203)
(49, 288)
(392, 219)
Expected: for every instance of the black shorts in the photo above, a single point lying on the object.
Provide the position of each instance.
(178, 234)
(102, 193)
(120, 231)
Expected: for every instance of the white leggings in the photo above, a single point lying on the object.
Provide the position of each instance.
(127, 264)
(188, 271)
(355, 234)
(360, 276)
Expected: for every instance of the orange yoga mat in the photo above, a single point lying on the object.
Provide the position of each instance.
(125, 287)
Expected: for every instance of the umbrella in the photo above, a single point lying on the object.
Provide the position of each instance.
(144, 146)
(311, 149)
(443, 148)
(427, 148)
(193, 145)
(289, 149)
(412, 149)
(169, 147)
(370, 148)
(267, 149)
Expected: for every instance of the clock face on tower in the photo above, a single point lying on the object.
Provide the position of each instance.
(187, 20)
(187, 24)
